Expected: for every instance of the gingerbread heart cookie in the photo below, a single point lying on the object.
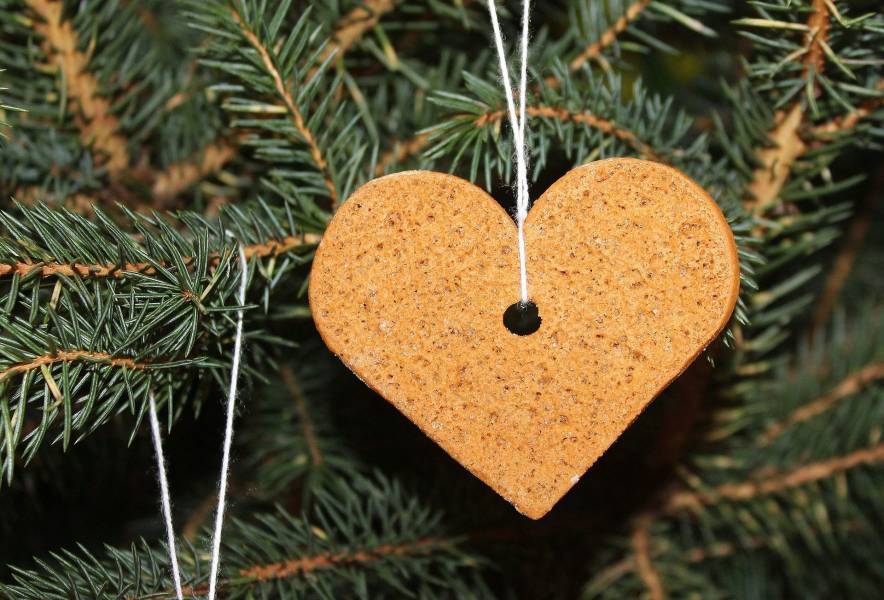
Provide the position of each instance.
(631, 265)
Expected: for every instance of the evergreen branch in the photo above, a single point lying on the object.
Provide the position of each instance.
(401, 151)
(773, 484)
(305, 565)
(843, 263)
(265, 249)
(72, 356)
(290, 440)
(846, 388)
(366, 538)
(98, 127)
(290, 105)
(850, 120)
(288, 377)
(179, 176)
(644, 564)
(584, 118)
(609, 36)
(353, 26)
(775, 162)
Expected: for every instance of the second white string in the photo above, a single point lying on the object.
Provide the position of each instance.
(517, 124)
(228, 428)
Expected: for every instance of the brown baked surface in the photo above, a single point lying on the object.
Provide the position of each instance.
(634, 270)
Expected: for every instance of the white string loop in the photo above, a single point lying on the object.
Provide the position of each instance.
(165, 500)
(228, 428)
(517, 124)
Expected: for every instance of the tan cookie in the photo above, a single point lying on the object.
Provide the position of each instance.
(631, 264)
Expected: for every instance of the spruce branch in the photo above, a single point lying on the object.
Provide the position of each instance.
(847, 387)
(98, 126)
(815, 68)
(777, 483)
(364, 539)
(585, 118)
(644, 564)
(178, 177)
(288, 100)
(844, 123)
(353, 26)
(264, 249)
(289, 441)
(609, 36)
(401, 151)
(843, 263)
(294, 389)
(86, 338)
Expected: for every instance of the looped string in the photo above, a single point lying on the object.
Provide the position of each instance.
(225, 458)
(517, 124)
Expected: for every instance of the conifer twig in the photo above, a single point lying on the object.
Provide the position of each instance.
(401, 151)
(181, 175)
(777, 160)
(288, 377)
(773, 484)
(98, 126)
(850, 120)
(609, 36)
(265, 249)
(290, 105)
(843, 263)
(641, 543)
(71, 356)
(353, 26)
(583, 118)
(306, 564)
(849, 386)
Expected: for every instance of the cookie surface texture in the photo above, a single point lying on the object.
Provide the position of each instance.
(631, 264)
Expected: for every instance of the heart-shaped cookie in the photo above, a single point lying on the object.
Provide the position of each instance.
(631, 264)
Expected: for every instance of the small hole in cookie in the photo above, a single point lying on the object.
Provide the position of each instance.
(522, 318)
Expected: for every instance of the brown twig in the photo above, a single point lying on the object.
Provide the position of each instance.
(71, 356)
(192, 526)
(584, 118)
(305, 565)
(641, 543)
(309, 564)
(851, 119)
(849, 386)
(291, 107)
(401, 151)
(98, 126)
(776, 161)
(353, 26)
(609, 35)
(48, 269)
(181, 175)
(843, 263)
(306, 423)
(773, 484)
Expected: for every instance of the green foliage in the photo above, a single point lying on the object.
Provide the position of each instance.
(93, 319)
(256, 119)
(368, 539)
(754, 494)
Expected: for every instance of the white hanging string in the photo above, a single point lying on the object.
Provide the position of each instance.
(164, 494)
(517, 124)
(228, 429)
(225, 457)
